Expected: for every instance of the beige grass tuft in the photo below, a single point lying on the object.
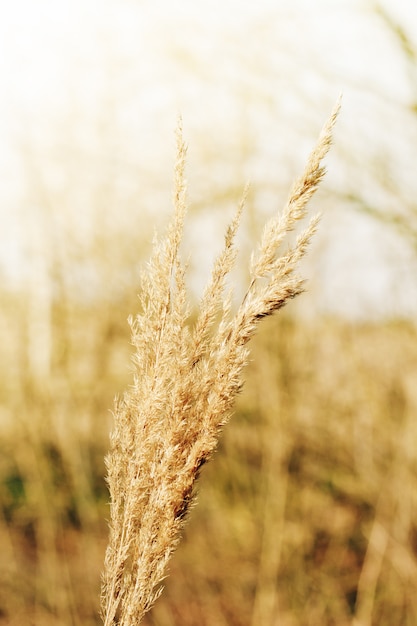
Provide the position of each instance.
(186, 379)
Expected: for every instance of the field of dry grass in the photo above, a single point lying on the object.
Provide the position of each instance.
(306, 515)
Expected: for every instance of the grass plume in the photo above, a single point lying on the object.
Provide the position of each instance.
(186, 379)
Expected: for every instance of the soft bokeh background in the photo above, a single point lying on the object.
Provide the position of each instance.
(306, 515)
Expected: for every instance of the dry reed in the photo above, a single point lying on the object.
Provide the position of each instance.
(185, 382)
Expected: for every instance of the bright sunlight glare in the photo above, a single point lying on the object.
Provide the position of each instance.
(91, 92)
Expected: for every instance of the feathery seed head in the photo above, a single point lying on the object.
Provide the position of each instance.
(168, 423)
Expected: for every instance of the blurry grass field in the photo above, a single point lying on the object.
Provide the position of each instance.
(305, 516)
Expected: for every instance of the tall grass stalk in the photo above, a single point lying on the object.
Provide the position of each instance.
(186, 379)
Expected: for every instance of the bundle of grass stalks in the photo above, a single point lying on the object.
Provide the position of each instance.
(186, 379)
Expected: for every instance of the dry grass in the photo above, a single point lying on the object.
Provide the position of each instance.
(307, 516)
(186, 380)
(322, 447)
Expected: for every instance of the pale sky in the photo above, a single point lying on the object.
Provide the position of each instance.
(91, 91)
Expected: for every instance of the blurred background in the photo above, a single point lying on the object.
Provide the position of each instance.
(306, 515)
